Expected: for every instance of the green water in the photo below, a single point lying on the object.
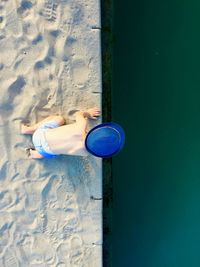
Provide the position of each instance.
(156, 97)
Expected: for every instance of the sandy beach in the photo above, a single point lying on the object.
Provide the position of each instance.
(50, 63)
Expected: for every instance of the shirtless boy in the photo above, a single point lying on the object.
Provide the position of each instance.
(52, 138)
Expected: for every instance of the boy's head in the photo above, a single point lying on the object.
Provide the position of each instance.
(105, 140)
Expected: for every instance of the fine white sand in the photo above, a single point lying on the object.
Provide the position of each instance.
(49, 64)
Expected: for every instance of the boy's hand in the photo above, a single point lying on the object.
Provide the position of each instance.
(93, 113)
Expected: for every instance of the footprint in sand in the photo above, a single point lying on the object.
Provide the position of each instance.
(43, 251)
(10, 260)
(33, 197)
(30, 29)
(64, 198)
(24, 247)
(8, 51)
(6, 234)
(78, 14)
(29, 56)
(66, 20)
(50, 10)
(48, 198)
(63, 253)
(41, 73)
(76, 251)
(7, 199)
(44, 68)
(25, 6)
(14, 89)
(5, 168)
(67, 49)
(13, 22)
(79, 73)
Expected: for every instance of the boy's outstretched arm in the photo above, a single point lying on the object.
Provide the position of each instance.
(82, 116)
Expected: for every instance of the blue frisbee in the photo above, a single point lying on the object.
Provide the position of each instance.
(105, 140)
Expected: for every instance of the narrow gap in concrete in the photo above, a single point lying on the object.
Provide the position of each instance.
(96, 198)
(106, 46)
(95, 28)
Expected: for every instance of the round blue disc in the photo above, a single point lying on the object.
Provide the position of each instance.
(105, 140)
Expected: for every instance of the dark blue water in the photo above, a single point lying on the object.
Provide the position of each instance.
(156, 98)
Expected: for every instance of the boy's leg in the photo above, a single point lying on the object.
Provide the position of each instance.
(31, 129)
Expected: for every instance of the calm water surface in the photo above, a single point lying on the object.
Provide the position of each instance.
(156, 97)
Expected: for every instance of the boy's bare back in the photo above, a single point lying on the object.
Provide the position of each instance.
(61, 139)
(67, 139)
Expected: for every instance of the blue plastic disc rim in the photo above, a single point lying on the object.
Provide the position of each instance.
(116, 127)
